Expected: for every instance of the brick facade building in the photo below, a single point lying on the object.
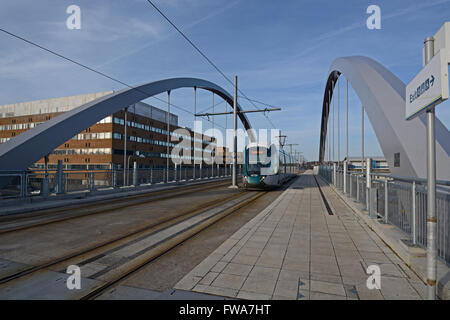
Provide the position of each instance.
(103, 144)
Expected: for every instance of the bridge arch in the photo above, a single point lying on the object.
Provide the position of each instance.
(22, 151)
(383, 97)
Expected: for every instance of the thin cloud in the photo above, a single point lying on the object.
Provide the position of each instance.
(170, 33)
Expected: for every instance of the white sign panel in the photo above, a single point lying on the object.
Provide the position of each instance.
(429, 87)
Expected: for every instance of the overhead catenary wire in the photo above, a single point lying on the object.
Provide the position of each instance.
(205, 56)
(90, 69)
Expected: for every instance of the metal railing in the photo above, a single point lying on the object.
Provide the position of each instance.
(399, 201)
(31, 183)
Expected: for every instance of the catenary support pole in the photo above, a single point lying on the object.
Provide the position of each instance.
(362, 138)
(125, 147)
(212, 151)
(334, 159)
(193, 135)
(234, 179)
(168, 135)
(339, 123)
(329, 125)
(346, 125)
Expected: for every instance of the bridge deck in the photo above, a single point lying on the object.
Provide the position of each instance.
(294, 249)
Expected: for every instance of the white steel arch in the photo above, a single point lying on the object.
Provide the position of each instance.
(383, 97)
(22, 151)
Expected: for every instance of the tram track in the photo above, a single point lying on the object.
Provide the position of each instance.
(165, 247)
(224, 206)
(20, 222)
(168, 247)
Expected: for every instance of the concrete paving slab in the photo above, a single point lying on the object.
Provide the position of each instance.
(229, 281)
(296, 250)
(237, 269)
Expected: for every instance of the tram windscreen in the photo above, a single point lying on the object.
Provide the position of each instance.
(257, 158)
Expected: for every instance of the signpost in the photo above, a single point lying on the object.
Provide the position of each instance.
(423, 94)
(429, 87)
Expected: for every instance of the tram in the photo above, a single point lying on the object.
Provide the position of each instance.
(267, 166)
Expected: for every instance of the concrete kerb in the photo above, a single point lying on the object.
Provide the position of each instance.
(415, 258)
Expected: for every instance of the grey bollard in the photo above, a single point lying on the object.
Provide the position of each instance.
(91, 182)
(60, 178)
(23, 185)
(135, 174)
(151, 175)
(45, 189)
(114, 178)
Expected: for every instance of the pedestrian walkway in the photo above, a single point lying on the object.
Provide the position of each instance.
(296, 249)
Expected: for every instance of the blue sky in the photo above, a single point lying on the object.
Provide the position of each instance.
(280, 50)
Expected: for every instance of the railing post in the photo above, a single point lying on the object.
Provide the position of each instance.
(334, 174)
(372, 203)
(345, 176)
(368, 182)
(386, 201)
(350, 180)
(357, 188)
(414, 215)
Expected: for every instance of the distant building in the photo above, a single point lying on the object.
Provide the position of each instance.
(102, 145)
(378, 163)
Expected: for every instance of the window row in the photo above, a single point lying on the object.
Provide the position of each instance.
(30, 125)
(82, 151)
(19, 126)
(119, 136)
(92, 136)
(154, 129)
